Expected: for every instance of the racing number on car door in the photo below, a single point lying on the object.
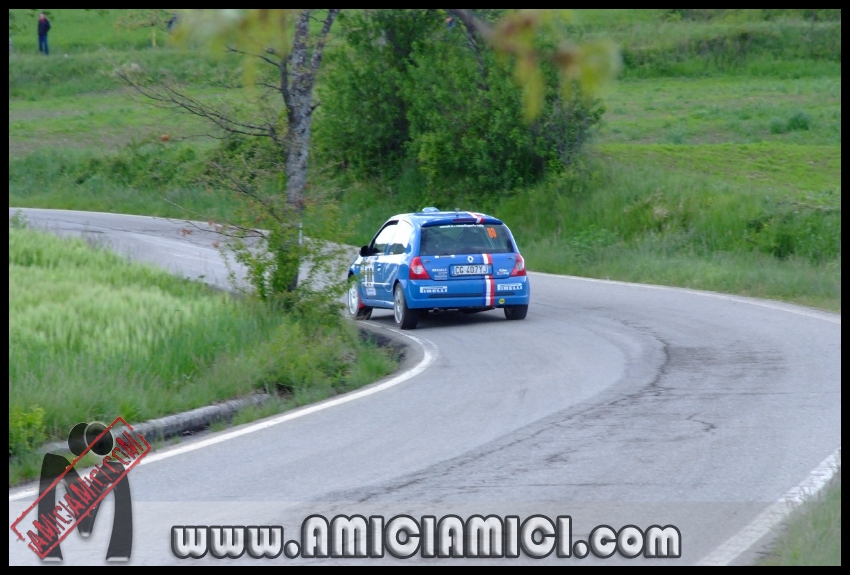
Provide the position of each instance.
(378, 262)
(367, 271)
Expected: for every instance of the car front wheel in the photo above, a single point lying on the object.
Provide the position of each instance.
(516, 311)
(356, 309)
(405, 318)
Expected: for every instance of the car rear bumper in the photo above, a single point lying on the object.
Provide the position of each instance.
(459, 294)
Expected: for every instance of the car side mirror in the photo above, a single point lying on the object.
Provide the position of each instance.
(364, 251)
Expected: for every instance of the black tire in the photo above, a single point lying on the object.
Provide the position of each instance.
(516, 311)
(356, 311)
(405, 318)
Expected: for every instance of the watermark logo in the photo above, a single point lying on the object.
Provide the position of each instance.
(121, 449)
(404, 536)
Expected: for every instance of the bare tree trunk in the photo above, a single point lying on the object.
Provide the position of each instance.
(298, 77)
(298, 69)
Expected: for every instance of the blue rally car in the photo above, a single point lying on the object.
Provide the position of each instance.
(439, 260)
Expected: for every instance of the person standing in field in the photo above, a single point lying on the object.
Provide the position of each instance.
(43, 29)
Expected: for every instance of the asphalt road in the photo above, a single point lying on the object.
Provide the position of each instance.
(613, 403)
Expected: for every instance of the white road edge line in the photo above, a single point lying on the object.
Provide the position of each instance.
(776, 512)
(429, 350)
(786, 307)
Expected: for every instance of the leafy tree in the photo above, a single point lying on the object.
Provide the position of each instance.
(420, 87)
(284, 51)
(262, 36)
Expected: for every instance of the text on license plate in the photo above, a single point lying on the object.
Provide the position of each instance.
(471, 270)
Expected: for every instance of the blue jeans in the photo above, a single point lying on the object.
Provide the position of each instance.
(42, 44)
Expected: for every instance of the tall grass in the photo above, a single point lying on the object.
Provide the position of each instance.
(150, 179)
(92, 336)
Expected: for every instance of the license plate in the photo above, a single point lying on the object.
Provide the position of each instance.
(471, 270)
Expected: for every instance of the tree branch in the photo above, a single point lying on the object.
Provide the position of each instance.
(472, 37)
(471, 22)
(242, 189)
(260, 56)
(316, 58)
(284, 84)
(164, 95)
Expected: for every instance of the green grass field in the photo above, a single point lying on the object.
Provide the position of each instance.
(723, 110)
(74, 31)
(92, 336)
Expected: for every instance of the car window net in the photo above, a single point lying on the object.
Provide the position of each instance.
(450, 240)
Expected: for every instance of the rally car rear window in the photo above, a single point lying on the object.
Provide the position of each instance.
(454, 239)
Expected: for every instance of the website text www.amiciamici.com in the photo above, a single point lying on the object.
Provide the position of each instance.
(404, 536)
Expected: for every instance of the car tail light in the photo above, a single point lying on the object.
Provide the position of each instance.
(519, 268)
(417, 270)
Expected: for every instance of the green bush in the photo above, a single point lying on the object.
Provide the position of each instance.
(408, 90)
(798, 121)
(362, 123)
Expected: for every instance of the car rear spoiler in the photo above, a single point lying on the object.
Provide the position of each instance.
(462, 218)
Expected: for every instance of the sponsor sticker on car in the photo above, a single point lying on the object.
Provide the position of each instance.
(434, 289)
(509, 287)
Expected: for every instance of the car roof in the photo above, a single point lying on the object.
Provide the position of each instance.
(434, 218)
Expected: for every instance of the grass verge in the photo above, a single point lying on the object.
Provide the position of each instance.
(762, 220)
(812, 535)
(92, 336)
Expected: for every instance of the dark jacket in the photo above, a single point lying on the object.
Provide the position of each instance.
(43, 27)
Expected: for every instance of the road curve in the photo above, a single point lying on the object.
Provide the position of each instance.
(613, 403)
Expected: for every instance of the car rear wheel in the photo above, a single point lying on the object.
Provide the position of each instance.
(405, 318)
(356, 309)
(516, 311)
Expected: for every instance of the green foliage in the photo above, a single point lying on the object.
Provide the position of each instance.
(301, 276)
(410, 90)
(26, 429)
(284, 270)
(797, 121)
(362, 122)
(467, 132)
(18, 220)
